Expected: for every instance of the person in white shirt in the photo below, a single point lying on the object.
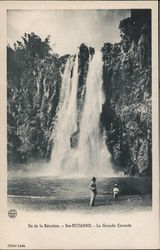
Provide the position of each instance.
(93, 191)
(115, 192)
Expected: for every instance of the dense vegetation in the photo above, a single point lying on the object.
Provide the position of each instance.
(33, 75)
(34, 81)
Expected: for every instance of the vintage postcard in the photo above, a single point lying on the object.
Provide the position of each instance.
(79, 125)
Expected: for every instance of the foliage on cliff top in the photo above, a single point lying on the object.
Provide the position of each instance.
(34, 79)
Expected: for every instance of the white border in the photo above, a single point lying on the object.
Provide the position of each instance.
(145, 230)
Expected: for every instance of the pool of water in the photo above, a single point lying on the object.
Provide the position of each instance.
(76, 187)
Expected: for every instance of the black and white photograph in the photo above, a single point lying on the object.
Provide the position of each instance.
(79, 109)
(79, 120)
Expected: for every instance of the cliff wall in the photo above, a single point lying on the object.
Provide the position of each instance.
(34, 76)
(127, 114)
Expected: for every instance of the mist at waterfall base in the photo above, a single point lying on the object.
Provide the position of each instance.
(90, 156)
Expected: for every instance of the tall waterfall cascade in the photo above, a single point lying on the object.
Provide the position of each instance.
(90, 156)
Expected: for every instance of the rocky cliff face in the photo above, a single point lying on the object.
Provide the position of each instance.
(127, 114)
(34, 81)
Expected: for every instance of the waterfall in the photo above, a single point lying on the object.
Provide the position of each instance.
(90, 156)
(66, 116)
(94, 156)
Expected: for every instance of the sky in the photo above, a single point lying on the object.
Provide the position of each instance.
(67, 28)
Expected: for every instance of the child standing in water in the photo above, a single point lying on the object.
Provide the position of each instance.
(115, 192)
(93, 191)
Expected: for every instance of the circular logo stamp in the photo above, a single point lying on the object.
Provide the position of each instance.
(12, 213)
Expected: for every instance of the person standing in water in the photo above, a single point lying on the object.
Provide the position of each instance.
(93, 191)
